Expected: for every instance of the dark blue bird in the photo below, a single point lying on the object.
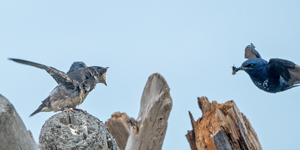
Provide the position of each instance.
(274, 76)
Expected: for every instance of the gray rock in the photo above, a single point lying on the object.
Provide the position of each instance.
(84, 132)
(13, 133)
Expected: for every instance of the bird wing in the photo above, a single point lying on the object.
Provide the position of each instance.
(250, 52)
(77, 71)
(77, 65)
(58, 76)
(287, 69)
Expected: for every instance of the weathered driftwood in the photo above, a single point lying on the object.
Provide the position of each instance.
(222, 127)
(118, 127)
(84, 132)
(13, 133)
(148, 131)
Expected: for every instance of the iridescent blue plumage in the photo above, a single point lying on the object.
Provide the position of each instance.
(274, 76)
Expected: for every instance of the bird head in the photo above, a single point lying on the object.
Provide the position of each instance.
(102, 75)
(251, 65)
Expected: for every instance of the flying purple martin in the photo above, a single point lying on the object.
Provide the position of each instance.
(73, 86)
(274, 76)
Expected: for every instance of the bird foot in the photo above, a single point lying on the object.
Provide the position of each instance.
(68, 110)
(80, 110)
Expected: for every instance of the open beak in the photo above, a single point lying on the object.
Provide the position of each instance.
(104, 77)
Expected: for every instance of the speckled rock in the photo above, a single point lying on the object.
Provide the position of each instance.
(84, 132)
(13, 133)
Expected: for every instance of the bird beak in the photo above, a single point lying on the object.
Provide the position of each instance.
(235, 70)
(104, 77)
(242, 68)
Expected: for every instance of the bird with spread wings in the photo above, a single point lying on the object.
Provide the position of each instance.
(274, 76)
(73, 86)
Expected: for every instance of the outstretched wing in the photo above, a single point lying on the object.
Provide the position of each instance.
(77, 65)
(250, 52)
(287, 69)
(76, 71)
(58, 76)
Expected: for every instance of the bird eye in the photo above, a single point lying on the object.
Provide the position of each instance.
(250, 65)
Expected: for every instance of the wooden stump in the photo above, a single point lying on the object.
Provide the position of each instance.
(221, 127)
(148, 131)
(118, 127)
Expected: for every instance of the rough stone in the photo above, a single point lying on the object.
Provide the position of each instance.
(84, 132)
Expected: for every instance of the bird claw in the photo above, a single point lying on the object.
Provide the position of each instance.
(84, 111)
(69, 110)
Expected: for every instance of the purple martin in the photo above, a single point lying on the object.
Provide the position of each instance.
(73, 86)
(274, 76)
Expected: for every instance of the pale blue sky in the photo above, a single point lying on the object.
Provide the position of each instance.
(193, 44)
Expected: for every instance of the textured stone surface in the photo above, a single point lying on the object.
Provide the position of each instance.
(221, 127)
(84, 132)
(13, 133)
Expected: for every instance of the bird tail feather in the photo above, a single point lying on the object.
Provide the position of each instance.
(36, 111)
(43, 105)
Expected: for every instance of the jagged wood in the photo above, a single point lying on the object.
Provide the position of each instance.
(191, 139)
(119, 128)
(13, 133)
(148, 131)
(221, 127)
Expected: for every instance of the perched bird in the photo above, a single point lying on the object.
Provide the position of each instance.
(274, 76)
(73, 86)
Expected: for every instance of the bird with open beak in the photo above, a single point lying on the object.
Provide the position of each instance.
(73, 86)
(274, 76)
